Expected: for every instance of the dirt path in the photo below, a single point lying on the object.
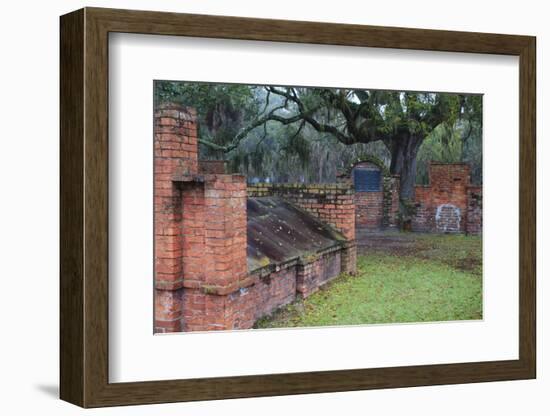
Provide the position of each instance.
(459, 251)
(389, 242)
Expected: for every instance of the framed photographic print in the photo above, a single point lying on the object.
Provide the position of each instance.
(256, 207)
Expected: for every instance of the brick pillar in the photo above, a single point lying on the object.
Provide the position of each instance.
(214, 232)
(340, 212)
(349, 258)
(214, 250)
(391, 201)
(343, 219)
(175, 153)
(225, 228)
(474, 214)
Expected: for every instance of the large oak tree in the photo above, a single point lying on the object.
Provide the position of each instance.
(401, 120)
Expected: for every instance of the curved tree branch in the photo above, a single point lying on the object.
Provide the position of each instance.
(244, 132)
(307, 115)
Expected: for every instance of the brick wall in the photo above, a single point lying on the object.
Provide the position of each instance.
(315, 272)
(449, 204)
(376, 209)
(369, 210)
(264, 292)
(442, 206)
(268, 293)
(281, 286)
(369, 206)
(331, 203)
(449, 183)
(423, 219)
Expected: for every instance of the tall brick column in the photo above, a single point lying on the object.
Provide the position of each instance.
(200, 231)
(214, 250)
(176, 153)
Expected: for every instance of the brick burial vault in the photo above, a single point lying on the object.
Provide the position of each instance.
(226, 255)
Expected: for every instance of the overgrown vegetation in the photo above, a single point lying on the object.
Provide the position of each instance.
(409, 278)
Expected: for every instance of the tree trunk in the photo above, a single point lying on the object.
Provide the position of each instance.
(403, 163)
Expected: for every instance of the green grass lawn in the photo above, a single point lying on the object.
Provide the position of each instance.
(402, 278)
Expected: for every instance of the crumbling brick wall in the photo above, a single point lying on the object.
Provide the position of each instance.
(272, 287)
(442, 206)
(423, 219)
(316, 271)
(201, 278)
(449, 204)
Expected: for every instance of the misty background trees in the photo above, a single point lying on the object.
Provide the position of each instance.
(297, 134)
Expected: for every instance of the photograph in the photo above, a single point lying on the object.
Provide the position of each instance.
(296, 205)
(292, 206)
